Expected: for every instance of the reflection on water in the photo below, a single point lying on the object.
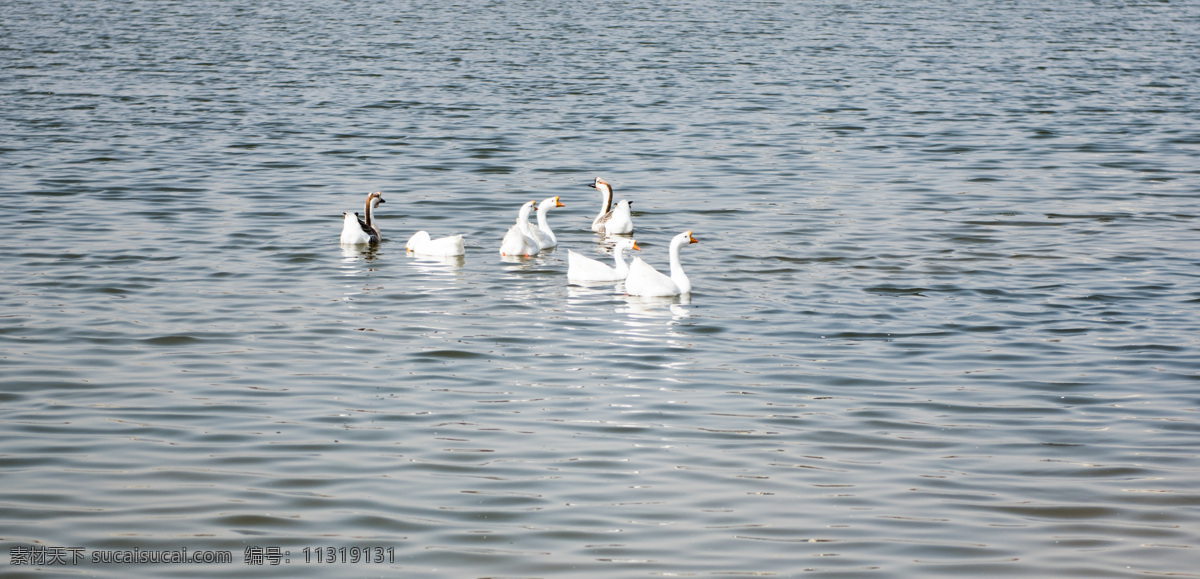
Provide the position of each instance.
(356, 263)
(437, 265)
(582, 290)
(647, 306)
(354, 254)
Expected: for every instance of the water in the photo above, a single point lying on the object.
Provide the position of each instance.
(944, 322)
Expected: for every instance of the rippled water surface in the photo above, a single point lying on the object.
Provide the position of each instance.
(945, 319)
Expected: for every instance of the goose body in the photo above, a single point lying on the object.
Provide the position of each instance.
(354, 230)
(450, 246)
(519, 241)
(611, 221)
(583, 268)
(542, 234)
(644, 280)
(357, 230)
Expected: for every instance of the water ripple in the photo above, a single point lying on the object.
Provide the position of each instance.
(942, 321)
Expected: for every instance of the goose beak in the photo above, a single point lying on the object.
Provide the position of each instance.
(691, 239)
(592, 184)
(558, 203)
(635, 245)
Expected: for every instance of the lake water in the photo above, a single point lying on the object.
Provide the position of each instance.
(945, 322)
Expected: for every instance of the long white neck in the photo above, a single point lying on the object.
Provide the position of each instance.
(523, 220)
(681, 279)
(621, 267)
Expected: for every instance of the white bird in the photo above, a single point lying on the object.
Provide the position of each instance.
(518, 241)
(583, 268)
(611, 221)
(449, 246)
(644, 280)
(546, 238)
(356, 230)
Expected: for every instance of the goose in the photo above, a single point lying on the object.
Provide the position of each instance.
(644, 280)
(356, 230)
(527, 228)
(450, 246)
(546, 238)
(582, 268)
(611, 221)
(518, 241)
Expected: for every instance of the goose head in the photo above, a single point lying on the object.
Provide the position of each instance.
(601, 185)
(417, 238)
(687, 236)
(548, 204)
(626, 243)
(373, 201)
(526, 209)
(681, 240)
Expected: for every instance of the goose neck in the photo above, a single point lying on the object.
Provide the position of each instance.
(606, 205)
(674, 253)
(677, 275)
(622, 268)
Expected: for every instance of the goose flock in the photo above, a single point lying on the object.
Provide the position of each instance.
(524, 239)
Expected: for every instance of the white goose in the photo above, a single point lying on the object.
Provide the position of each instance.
(582, 268)
(644, 280)
(546, 238)
(356, 230)
(518, 240)
(611, 221)
(449, 246)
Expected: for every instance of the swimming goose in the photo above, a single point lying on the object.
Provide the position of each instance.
(644, 280)
(546, 238)
(357, 230)
(518, 241)
(611, 221)
(449, 246)
(582, 268)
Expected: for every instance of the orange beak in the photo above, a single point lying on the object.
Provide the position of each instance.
(691, 239)
(635, 245)
(558, 203)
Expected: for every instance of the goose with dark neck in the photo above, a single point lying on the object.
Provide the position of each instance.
(611, 221)
(356, 229)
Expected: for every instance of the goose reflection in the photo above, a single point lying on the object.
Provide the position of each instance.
(435, 274)
(658, 307)
(438, 264)
(353, 254)
(356, 264)
(592, 294)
